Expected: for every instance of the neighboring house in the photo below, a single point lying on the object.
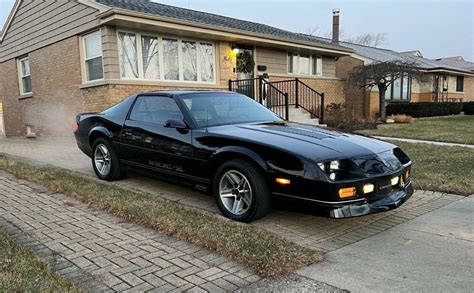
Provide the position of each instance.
(444, 81)
(58, 58)
(457, 61)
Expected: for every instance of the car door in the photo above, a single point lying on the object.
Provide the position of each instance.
(146, 141)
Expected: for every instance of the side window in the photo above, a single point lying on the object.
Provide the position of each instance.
(155, 109)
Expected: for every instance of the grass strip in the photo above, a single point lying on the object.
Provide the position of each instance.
(22, 271)
(267, 254)
(457, 129)
(441, 168)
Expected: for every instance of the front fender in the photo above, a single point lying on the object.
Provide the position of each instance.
(230, 150)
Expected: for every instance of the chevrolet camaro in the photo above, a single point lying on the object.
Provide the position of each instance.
(244, 154)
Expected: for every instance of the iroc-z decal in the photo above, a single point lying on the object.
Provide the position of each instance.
(165, 166)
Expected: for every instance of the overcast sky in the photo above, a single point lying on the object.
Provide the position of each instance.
(437, 28)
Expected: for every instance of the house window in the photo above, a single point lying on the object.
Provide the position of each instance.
(162, 58)
(304, 64)
(93, 56)
(400, 89)
(25, 76)
(460, 83)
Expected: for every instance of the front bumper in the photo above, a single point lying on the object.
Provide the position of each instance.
(389, 201)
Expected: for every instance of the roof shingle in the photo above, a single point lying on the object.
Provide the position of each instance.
(179, 13)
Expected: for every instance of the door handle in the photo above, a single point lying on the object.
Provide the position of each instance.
(127, 133)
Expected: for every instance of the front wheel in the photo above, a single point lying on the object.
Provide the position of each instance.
(241, 191)
(105, 160)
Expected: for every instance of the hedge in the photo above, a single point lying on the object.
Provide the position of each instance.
(425, 109)
(468, 108)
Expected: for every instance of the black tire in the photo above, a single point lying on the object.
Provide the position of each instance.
(115, 171)
(260, 199)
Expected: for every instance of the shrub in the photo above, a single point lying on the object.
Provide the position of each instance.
(337, 117)
(425, 109)
(400, 118)
(468, 108)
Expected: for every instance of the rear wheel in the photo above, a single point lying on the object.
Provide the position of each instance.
(105, 160)
(241, 191)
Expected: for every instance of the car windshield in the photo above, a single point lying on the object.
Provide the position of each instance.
(222, 109)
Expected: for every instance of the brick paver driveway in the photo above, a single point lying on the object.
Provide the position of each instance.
(97, 252)
(307, 229)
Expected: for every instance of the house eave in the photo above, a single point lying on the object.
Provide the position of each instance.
(114, 16)
(9, 20)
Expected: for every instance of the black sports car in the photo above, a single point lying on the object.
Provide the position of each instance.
(231, 145)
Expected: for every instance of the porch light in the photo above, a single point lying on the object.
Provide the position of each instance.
(283, 181)
(235, 49)
(347, 192)
(368, 188)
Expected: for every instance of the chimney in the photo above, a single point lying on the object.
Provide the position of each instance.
(335, 25)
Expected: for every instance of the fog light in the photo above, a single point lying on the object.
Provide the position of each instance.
(283, 181)
(368, 188)
(394, 180)
(347, 192)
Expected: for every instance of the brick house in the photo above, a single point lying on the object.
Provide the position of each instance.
(445, 81)
(58, 58)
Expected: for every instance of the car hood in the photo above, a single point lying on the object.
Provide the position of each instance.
(313, 142)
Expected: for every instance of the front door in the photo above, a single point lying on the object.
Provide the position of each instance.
(245, 71)
(147, 143)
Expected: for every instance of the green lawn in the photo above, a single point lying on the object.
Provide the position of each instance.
(439, 168)
(458, 129)
(22, 271)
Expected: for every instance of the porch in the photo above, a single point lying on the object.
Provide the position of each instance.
(291, 99)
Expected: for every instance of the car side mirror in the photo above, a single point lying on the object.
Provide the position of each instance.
(174, 123)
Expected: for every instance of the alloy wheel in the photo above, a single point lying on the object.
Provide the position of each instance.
(235, 192)
(102, 159)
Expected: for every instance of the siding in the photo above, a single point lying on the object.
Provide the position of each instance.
(276, 62)
(110, 53)
(40, 23)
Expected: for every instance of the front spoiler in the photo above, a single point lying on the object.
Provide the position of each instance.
(388, 202)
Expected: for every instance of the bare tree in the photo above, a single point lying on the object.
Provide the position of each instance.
(369, 39)
(317, 32)
(382, 75)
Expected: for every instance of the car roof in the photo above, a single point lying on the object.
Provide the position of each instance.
(185, 92)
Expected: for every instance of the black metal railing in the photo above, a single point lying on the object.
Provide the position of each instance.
(279, 95)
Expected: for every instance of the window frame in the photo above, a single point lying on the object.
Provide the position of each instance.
(296, 64)
(21, 76)
(85, 59)
(180, 40)
(459, 77)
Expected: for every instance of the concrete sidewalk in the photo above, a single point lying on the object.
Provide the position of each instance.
(440, 143)
(432, 253)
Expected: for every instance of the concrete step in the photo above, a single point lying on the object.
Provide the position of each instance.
(300, 115)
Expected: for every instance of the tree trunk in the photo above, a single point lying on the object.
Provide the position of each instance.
(382, 113)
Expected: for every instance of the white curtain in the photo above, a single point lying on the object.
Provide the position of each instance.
(151, 69)
(128, 55)
(206, 56)
(170, 59)
(189, 61)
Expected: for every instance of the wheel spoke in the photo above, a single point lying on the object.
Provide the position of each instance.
(227, 194)
(246, 199)
(237, 206)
